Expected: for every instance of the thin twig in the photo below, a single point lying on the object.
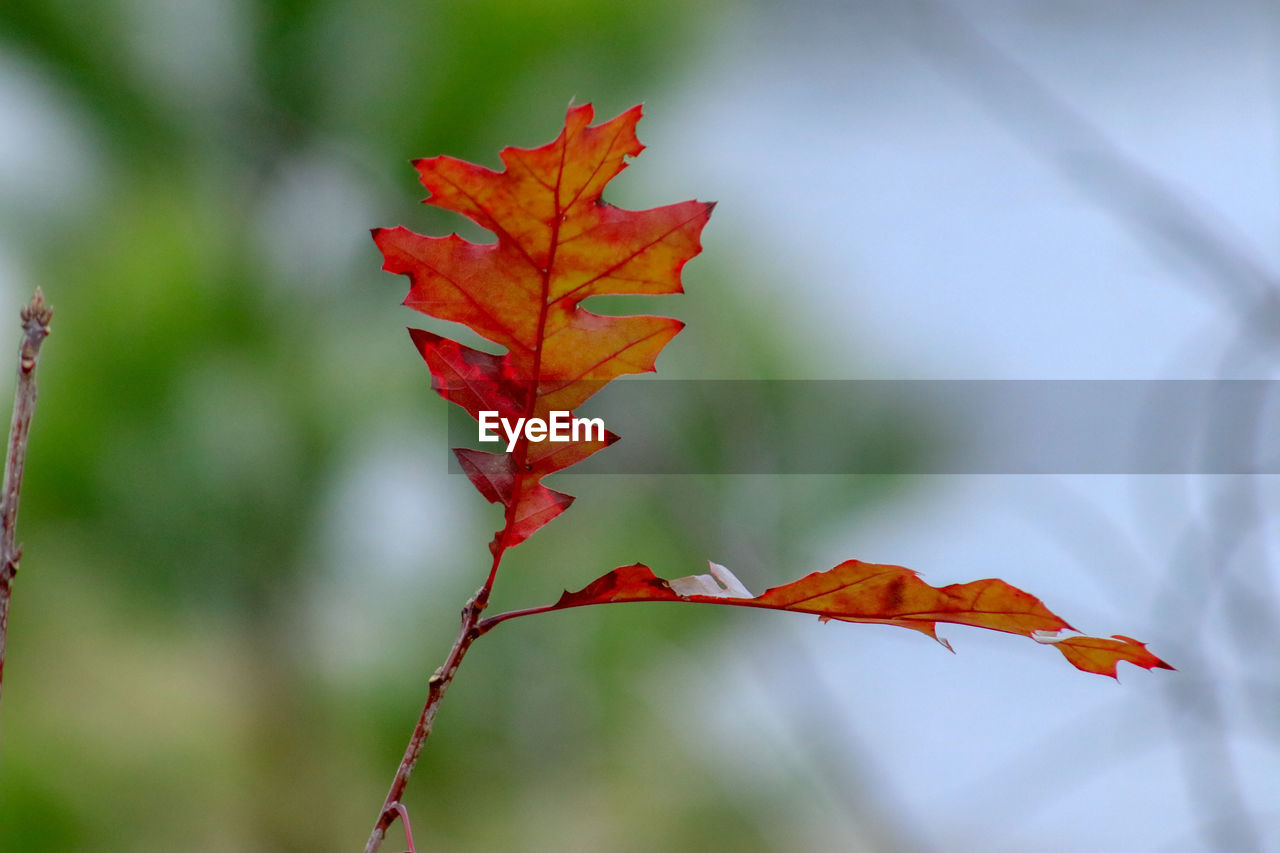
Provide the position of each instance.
(437, 686)
(35, 328)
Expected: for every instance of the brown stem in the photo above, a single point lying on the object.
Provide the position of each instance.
(443, 677)
(35, 328)
(437, 686)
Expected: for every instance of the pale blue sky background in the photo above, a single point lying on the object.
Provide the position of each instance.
(921, 232)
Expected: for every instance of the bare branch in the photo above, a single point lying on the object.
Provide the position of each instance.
(35, 328)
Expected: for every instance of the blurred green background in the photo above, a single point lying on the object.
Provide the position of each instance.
(244, 556)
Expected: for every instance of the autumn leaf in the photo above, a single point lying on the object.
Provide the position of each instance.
(855, 591)
(557, 244)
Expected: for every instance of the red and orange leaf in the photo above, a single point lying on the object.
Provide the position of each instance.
(890, 595)
(557, 244)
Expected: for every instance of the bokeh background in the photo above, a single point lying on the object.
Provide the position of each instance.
(244, 553)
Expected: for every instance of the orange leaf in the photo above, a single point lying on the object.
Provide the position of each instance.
(557, 244)
(868, 592)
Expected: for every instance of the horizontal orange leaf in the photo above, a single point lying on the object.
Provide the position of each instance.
(868, 592)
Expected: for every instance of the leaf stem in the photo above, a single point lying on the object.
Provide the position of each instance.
(486, 625)
(35, 328)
